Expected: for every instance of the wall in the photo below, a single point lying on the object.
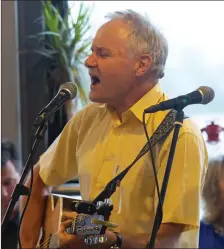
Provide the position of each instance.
(22, 92)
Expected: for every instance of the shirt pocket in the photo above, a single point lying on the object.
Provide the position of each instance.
(141, 170)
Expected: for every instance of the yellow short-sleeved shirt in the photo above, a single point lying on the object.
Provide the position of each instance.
(96, 146)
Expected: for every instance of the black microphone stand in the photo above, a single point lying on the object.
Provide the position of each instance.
(158, 218)
(20, 189)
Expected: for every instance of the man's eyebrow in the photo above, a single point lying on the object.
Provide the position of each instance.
(102, 48)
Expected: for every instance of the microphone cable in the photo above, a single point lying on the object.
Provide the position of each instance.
(156, 183)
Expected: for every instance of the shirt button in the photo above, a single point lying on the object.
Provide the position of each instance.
(108, 158)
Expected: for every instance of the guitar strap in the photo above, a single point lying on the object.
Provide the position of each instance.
(161, 133)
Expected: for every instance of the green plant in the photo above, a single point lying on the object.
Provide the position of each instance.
(64, 46)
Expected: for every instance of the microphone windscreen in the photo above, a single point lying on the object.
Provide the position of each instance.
(207, 94)
(69, 87)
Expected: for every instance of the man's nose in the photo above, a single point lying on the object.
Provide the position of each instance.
(91, 61)
(4, 191)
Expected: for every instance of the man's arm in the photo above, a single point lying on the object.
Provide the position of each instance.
(32, 221)
(167, 237)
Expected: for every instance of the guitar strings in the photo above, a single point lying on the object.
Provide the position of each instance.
(44, 243)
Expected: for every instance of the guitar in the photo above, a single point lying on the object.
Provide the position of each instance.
(90, 226)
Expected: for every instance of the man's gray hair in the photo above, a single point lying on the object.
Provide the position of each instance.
(145, 38)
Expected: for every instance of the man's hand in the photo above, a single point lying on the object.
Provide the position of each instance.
(67, 240)
(68, 216)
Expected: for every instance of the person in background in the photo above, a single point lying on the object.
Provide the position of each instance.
(9, 178)
(213, 132)
(212, 225)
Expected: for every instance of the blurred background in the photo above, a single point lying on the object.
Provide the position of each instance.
(44, 45)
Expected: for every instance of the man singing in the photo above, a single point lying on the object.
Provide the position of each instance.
(127, 61)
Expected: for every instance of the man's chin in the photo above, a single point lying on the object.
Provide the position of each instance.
(98, 99)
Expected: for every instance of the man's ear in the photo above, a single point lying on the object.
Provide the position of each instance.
(143, 65)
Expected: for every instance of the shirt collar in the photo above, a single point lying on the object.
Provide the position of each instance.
(152, 97)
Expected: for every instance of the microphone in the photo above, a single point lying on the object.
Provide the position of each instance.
(67, 91)
(203, 95)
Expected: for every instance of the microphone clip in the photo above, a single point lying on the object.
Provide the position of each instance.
(41, 118)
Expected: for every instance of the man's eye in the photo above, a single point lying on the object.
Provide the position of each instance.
(8, 182)
(104, 54)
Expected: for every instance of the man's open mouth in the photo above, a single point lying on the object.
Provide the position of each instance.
(95, 80)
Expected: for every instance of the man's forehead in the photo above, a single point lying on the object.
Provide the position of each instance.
(114, 25)
(112, 34)
(118, 31)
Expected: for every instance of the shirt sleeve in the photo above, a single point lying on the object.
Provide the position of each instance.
(182, 199)
(58, 164)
